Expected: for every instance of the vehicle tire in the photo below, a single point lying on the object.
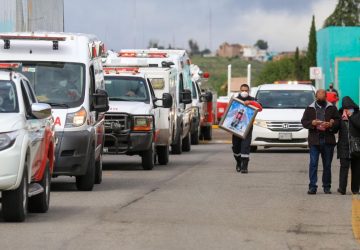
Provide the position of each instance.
(253, 149)
(148, 159)
(98, 170)
(186, 143)
(207, 133)
(40, 203)
(195, 137)
(15, 202)
(86, 182)
(163, 154)
(176, 148)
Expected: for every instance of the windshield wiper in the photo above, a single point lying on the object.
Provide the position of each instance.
(54, 104)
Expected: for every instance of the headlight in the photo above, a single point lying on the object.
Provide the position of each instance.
(142, 123)
(260, 123)
(76, 119)
(7, 139)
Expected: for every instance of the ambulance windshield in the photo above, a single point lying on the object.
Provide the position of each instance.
(123, 88)
(57, 83)
(8, 98)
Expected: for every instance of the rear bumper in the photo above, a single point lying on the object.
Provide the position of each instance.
(128, 142)
(268, 138)
(72, 152)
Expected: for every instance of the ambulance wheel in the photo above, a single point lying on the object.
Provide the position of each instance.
(163, 154)
(195, 137)
(86, 182)
(15, 202)
(253, 149)
(40, 203)
(148, 158)
(98, 170)
(207, 133)
(176, 148)
(186, 143)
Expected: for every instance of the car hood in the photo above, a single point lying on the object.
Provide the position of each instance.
(11, 122)
(136, 108)
(280, 114)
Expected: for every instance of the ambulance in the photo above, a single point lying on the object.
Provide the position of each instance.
(132, 123)
(179, 60)
(65, 72)
(163, 81)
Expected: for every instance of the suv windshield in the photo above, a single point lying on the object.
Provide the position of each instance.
(56, 83)
(285, 99)
(126, 88)
(8, 97)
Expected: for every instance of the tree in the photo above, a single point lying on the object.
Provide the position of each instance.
(312, 47)
(262, 44)
(153, 44)
(298, 70)
(276, 71)
(346, 13)
(194, 47)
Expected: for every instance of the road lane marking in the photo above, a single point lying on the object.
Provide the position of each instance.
(355, 218)
(215, 126)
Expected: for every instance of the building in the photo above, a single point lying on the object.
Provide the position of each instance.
(338, 55)
(31, 15)
(230, 50)
(236, 82)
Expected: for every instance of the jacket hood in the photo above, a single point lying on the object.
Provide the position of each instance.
(348, 103)
(328, 104)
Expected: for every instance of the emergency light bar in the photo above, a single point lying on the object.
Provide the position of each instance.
(143, 55)
(10, 65)
(54, 39)
(119, 70)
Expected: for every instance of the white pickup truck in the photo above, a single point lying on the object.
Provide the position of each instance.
(26, 147)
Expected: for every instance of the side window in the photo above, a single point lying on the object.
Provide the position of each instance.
(151, 89)
(30, 91)
(181, 82)
(27, 99)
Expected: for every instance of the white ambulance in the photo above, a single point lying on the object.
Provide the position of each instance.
(66, 72)
(163, 81)
(132, 123)
(179, 60)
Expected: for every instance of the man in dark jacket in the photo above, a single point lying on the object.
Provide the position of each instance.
(241, 147)
(350, 122)
(322, 119)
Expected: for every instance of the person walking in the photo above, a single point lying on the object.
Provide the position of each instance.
(332, 89)
(241, 147)
(349, 127)
(322, 119)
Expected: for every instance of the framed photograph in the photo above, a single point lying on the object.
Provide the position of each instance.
(238, 118)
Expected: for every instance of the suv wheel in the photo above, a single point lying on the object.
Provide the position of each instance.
(86, 182)
(98, 170)
(163, 154)
(195, 137)
(15, 202)
(40, 203)
(186, 143)
(148, 158)
(176, 148)
(207, 133)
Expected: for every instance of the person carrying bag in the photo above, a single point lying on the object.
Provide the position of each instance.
(348, 146)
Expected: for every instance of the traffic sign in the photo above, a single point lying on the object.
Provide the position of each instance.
(316, 73)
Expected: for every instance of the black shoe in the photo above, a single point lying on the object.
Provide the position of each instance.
(238, 168)
(355, 192)
(244, 171)
(327, 191)
(311, 191)
(340, 191)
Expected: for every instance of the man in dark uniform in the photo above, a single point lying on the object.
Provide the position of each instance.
(241, 147)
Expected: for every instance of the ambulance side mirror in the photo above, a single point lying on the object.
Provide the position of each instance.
(101, 101)
(167, 101)
(207, 97)
(186, 97)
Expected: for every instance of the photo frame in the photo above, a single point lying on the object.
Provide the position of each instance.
(238, 118)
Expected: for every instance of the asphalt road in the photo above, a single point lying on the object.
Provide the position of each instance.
(198, 201)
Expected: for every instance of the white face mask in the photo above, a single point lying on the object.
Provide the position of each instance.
(63, 83)
(244, 94)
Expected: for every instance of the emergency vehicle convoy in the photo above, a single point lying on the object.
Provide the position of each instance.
(65, 71)
(26, 147)
(132, 123)
(179, 60)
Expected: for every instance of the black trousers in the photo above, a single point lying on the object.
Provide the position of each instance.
(241, 147)
(345, 165)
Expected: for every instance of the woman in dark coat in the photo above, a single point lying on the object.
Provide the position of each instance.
(350, 122)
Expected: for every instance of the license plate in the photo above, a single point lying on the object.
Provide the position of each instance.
(285, 136)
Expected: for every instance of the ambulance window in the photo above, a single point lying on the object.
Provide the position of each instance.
(157, 83)
(30, 91)
(181, 83)
(27, 99)
(151, 89)
(194, 94)
(92, 79)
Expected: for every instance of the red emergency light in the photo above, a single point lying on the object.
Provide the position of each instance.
(119, 70)
(143, 55)
(9, 65)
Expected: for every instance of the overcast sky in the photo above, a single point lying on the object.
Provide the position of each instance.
(132, 23)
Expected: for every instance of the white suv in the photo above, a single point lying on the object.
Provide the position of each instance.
(26, 147)
(279, 124)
